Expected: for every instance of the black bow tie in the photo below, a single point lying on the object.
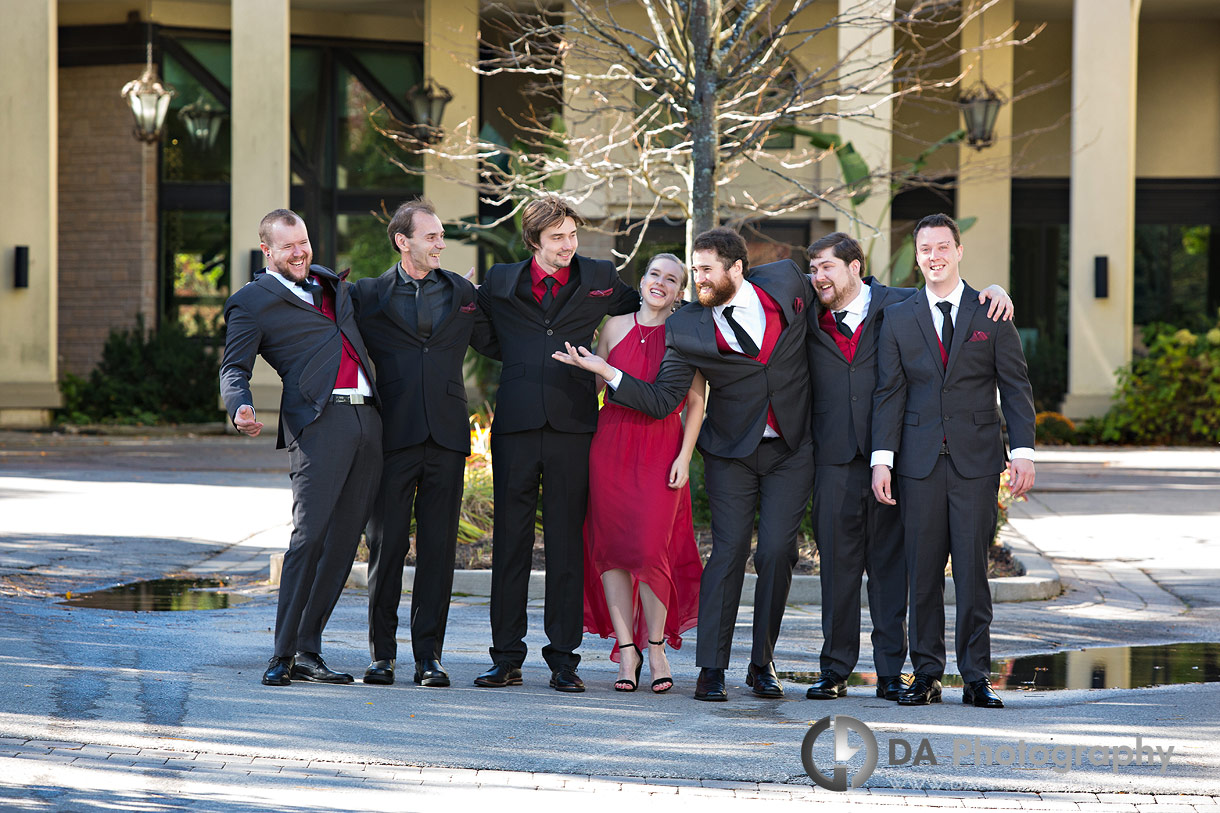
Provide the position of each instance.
(308, 286)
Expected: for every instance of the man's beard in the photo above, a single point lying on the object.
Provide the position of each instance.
(716, 295)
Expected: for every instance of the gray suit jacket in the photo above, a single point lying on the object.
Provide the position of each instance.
(741, 387)
(842, 390)
(918, 403)
(297, 340)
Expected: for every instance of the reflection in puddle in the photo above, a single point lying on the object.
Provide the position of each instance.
(1114, 667)
(160, 595)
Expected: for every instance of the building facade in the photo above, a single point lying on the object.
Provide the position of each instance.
(1098, 206)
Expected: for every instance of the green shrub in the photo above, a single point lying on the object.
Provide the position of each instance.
(1171, 396)
(164, 376)
(1054, 429)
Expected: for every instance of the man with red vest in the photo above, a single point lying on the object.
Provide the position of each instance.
(299, 318)
(746, 334)
(855, 533)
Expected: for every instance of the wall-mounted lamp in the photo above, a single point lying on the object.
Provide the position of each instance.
(21, 267)
(427, 101)
(1101, 277)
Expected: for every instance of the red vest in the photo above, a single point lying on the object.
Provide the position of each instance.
(828, 324)
(350, 361)
(775, 326)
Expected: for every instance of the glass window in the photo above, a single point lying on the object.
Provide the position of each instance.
(196, 259)
(1171, 275)
(197, 146)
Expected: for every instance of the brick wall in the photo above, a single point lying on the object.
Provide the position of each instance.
(107, 215)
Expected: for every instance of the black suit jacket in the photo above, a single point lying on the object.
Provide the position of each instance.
(420, 381)
(843, 391)
(535, 390)
(301, 343)
(919, 403)
(741, 387)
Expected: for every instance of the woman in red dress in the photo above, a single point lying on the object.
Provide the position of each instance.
(642, 565)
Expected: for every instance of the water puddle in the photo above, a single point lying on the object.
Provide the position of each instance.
(1114, 667)
(160, 595)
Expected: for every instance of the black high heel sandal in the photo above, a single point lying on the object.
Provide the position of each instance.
(659, 681)
(624, 684)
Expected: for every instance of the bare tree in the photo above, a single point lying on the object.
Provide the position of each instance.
(666, 106)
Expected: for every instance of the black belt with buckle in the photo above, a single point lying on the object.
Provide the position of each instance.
(354, 400)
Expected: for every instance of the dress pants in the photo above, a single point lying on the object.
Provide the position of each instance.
(943, 514)
(776, 482)
(424, 480)
(560, 461)
(335, 463)
(855, 535)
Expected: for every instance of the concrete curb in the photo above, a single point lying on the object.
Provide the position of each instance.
(1040, 582)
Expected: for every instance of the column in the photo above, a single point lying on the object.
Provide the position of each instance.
(260, 163)
(984, 188)
(1104, 42)
(451, 49)
(864, 51)
(29, 93)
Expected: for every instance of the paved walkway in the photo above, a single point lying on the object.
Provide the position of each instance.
(107, 710)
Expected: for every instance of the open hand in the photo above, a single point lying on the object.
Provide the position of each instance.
(245, 422)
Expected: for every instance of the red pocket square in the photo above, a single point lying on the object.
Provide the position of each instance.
(978, 336)
(471, 308)
(602, 292)
(798, 305)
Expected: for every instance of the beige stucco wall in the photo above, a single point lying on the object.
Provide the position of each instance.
(1042, 136)
(28, 214)
(1178, 116)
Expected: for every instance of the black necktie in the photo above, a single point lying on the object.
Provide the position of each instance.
(311, 287)
(423, 313)
(549, 297)
(747, 344)
(946, 325)
(841, 324)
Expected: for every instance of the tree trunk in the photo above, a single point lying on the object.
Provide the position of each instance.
(705, 135)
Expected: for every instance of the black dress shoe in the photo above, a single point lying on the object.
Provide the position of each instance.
(499, 676)
(979, 693)
(924, 689)
(565, 679)
(310, 666)
(279, 672)
(891, 686)
(828, 686)
(430, 673)
(710, 685)
(380, 672)
(764, 681)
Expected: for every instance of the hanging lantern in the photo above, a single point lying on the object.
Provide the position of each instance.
(980, 106)
(149, 100)
(202, 122)
(428, 101)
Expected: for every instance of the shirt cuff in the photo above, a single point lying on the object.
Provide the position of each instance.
(615, 380)
(882, 458)
(251, 410)
(1022, 453)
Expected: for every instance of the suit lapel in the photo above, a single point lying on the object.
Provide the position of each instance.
(826, 340)
(966, 310)
(455, 302)
(385, 298)
(276, 287)
(581, 274)
(923, 318)
(512, 280)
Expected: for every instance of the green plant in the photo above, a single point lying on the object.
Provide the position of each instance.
(1054, 429)
(165, 376)
(1172, 394)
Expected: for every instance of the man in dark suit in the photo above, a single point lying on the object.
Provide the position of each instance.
(747, 336)
(936, 424)
(299, 318)
(545, 417)
(418, 320)
(855, 533)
